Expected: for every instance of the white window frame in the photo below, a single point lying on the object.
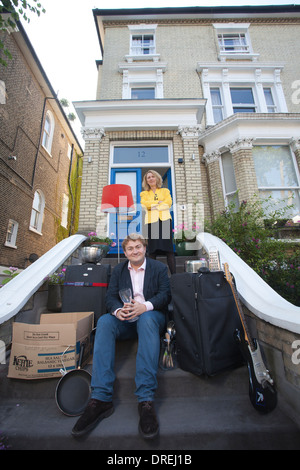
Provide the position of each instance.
(143, 88)
(150, 76)
(283, 188)
(135, 52)
(239, 43)
(37, 213)
(142, 143)
(240, 51)
(48, 133)
(143, 46)
(228, 196)
(235, 75)
(217, 106)
(244, 105)
(271, 108)
(11, 234)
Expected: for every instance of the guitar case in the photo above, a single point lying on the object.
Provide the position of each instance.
(205, 317)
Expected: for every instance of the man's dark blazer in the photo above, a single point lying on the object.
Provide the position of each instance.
(156, 285)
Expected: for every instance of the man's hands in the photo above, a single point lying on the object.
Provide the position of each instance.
(131, 310)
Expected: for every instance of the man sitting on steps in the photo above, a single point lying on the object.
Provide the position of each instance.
(144, 318)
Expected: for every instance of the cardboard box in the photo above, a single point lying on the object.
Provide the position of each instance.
(40, 351)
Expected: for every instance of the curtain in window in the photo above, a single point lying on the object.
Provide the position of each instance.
(276, 175)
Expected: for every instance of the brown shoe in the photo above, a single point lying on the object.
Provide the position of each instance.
(95, 411)
(148, 425)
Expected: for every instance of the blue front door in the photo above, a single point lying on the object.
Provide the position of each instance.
(128, 223)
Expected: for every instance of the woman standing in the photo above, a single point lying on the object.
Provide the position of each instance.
(158, 222)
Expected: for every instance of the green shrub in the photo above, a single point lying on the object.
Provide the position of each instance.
(246, 232)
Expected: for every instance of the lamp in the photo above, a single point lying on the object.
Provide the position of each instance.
(117, 198)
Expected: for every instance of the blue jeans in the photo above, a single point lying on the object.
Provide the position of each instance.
(148, 329)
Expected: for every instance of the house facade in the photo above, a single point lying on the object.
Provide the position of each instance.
(39, 154)
(208, 97)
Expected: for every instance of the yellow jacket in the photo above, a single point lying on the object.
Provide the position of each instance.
(163, 203)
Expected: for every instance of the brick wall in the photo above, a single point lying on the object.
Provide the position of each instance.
(20, 125)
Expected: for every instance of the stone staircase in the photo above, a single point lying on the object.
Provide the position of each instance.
(195, 413)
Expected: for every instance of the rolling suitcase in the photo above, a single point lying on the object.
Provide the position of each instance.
(205, 317)
(85, 289)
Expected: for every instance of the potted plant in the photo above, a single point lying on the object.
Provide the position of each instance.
(55, 290)
(95, 247)
(185, 239)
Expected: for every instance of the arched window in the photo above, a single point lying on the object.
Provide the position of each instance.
(37, 212)
(48, 132)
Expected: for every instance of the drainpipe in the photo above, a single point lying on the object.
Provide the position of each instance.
(71, 192)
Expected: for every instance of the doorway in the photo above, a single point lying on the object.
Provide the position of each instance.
(133, 222)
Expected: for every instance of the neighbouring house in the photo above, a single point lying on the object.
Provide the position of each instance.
(208, 97)
(40, 158)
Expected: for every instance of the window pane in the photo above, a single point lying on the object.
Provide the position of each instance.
(228, 172)
(215, 96)
(36, 201)
(274, 166)
(269, 100)
(136, 40)
(233, 43)
(233, 199)
(281, 199)
(143, 44)
(47, 125)
(141, 155)
(242, 96)
(216, 104)
(11, 234)
(34, 219)
(218, 115)
(10, 231)
(142, 93)
(268, 96)
(243, 110)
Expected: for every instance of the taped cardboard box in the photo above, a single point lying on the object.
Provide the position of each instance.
(40, 351)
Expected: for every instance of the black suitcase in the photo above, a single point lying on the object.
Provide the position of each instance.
(205, 317)
(85, 288)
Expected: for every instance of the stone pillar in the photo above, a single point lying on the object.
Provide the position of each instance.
(191, 169)
(91, 186)
(245, 176)
(212, 163)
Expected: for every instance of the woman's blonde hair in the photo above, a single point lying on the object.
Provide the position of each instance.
(158, 180)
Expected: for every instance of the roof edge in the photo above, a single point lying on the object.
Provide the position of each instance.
(290, 8)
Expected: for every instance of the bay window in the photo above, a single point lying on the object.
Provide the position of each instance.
(277, 175)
